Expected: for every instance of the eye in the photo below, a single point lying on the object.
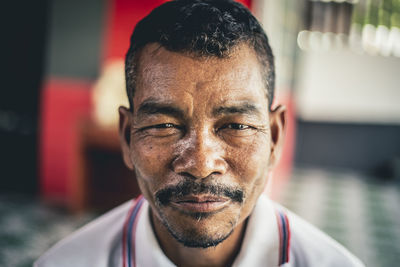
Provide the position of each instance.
(162, 129)
(164, 125)
(237, 129)
(237, 126)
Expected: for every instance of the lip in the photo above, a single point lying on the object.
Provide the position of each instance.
(202, 203)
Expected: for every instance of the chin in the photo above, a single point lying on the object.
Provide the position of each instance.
(193, 239)
(200, 230)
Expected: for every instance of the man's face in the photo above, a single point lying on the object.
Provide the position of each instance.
(199, 140)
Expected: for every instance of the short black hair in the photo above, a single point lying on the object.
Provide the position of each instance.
(201, 28)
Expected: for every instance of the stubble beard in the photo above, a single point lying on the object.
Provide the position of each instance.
(193, 238)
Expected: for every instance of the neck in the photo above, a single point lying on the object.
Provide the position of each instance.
(221, 255)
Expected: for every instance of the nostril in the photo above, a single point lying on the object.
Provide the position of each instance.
(193, 177)
(188, 175)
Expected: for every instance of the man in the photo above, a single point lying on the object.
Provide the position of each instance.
(201, 137)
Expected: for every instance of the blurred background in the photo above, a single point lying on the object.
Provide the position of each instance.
(337, 65)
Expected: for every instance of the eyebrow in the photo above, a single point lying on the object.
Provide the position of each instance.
(154, 108)
(244, 108)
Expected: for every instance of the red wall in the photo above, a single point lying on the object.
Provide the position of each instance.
(65, 102)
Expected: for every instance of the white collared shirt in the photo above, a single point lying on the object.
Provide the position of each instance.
(107, 242)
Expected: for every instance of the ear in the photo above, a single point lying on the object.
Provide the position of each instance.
(125, 135)
(278, 128)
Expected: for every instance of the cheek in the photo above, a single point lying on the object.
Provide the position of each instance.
(150, 161)
(250, 165)
(250, 161)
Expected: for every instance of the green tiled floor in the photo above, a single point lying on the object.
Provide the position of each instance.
(28, 228)
(362, 214)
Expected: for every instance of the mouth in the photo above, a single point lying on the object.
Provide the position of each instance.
(200, 203)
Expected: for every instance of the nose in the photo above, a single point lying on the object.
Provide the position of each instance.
(200, 155)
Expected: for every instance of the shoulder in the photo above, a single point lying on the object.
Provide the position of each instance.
(309, 246)
(92, 245)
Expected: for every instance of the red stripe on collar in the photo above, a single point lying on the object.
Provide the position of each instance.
(284, 236)
(128, 240)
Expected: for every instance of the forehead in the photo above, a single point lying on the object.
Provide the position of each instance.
(170, 75)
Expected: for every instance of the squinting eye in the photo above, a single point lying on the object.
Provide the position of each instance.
(162, 129)
(237, 126)
(237, 130)
(164, 125)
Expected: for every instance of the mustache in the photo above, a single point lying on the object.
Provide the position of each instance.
(184, 188)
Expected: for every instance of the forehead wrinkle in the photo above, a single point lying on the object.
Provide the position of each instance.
(156, 75)
(158, 70)
(228, 78)
(159, 73)
(151, 67)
